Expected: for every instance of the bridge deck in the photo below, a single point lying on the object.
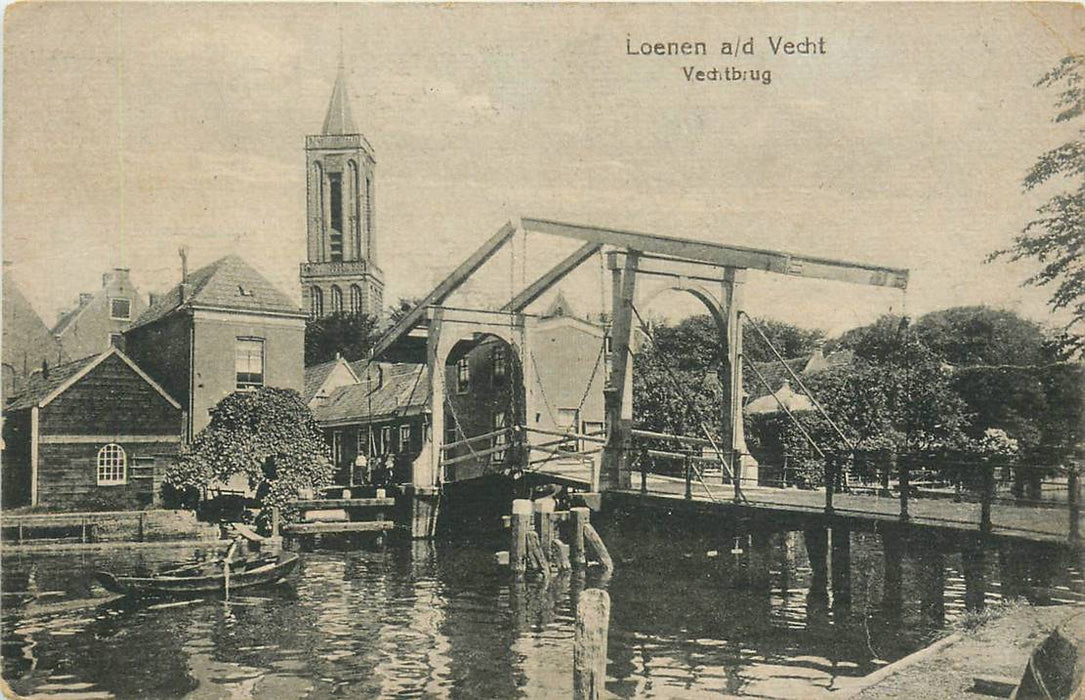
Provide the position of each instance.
(1050, 524)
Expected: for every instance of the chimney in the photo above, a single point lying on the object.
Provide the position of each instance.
(154, 298)
(183, 252)
(85, 297)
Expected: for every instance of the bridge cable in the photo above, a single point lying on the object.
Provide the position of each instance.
(704, 428)
(579, 407)
(809, 394)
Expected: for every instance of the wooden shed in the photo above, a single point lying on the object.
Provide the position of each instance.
(86, 435)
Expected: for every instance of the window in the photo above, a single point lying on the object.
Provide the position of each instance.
(404, 438)
(355, 299)
(316, 302)
(362, 446)
(386, 439)
(120, 309)
(355, 232)
(500, 365)
(111, 465)
(499, 440)
(337, 300)
(595, 428)
(463, 376)
(249, 363)
(368, 215)
(567, 422)
(335, 236)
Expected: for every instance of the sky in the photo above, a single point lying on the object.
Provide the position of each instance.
(133, 129)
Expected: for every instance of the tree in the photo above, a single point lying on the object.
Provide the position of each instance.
(690, 355)
(400, 309)
(269, 436)
(979, 335)
(1056, 239)
(349, 335)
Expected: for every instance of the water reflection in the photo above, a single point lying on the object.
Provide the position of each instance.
(694, 610)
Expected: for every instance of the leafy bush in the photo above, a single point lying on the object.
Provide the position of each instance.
(268, 435)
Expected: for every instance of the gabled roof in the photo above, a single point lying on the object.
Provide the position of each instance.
(42, 388)
(398, 389)
(229, 283)
(770, 403)
(70, 315)
(560, 306)
(26, 339)
(316, 375)
(339, 120)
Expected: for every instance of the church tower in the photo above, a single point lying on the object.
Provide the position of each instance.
(341, 275)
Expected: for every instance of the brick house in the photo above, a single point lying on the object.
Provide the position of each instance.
(85, 435)
(100, 318)
(223, 329)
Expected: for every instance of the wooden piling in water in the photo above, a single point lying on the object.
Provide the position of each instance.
(536, 555)
(590, 644)
(521, 525)
(596, 542)
(580, 518)
(544, 523)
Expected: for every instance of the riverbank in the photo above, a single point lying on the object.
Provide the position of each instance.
(999, 647)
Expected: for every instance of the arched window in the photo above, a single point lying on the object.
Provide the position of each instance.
(112, 463)
(367, 214)
(355, 299)
(337, 300)
(355, 218)
(318, 208)
(316, 302)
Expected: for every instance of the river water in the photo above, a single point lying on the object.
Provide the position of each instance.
(439, 620)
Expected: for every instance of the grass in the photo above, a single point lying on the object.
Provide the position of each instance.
(973, 620)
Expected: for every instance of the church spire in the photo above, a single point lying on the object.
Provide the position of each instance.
(339, 120)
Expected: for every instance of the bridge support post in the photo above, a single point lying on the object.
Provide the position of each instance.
(1012, 571)
(1073, 489)
(420, 476)
(973, 562)
(617, 397)
(905, 467)
(733, 436)
(893, 583)
(841, 571)
(817, 549)
(933, 587)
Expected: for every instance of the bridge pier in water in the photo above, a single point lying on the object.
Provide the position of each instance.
(974, 564)
(893, 579)
(817, 550)
(840, 563)
(933, 586)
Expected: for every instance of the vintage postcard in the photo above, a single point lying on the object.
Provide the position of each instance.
(493, 350)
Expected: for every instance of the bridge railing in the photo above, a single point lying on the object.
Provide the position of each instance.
(987, 493)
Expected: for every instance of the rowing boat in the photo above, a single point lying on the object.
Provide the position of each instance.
(203, 578)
